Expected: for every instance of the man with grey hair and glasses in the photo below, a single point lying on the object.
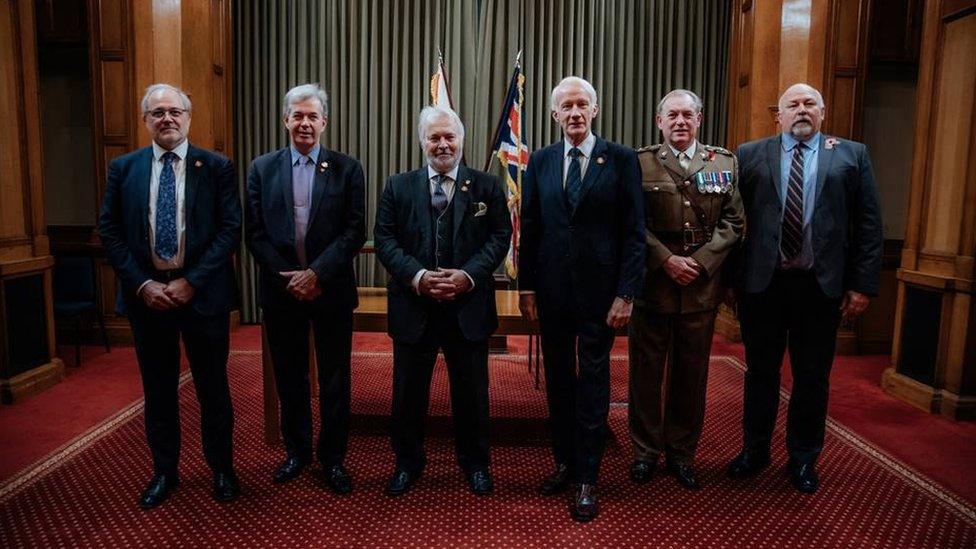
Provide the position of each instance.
(170, 222)
(441, 231)
(304, 224)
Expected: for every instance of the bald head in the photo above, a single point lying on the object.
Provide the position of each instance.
(801, 111)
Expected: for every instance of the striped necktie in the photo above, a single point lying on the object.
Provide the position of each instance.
(439, 198)
(792, 241)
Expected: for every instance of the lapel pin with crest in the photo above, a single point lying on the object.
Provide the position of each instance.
(664, 154)
(198, 163)
(464, 186)
(830, 143)
(600, 160)
(323, 166)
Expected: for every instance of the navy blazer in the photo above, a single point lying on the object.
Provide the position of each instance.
(212, 214)
(403, 236)
(847, 238)
(336, 227)
(578, 261)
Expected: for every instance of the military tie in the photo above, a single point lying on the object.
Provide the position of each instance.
(684, 161)
(439, 199)
(574, 179)
(166, 245)
(792, 238)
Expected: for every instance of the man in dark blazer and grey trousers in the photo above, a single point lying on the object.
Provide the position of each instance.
(811, 257)
(305, 223)
(580, 265)
(170, 223)
(441, 231)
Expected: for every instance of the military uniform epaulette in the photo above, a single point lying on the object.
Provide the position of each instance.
(718, 150)
(649, 148)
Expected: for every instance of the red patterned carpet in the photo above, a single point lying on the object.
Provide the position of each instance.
(85, 495)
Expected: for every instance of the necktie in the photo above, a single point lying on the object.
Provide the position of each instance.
(684, 161)
(300, 191)
(166, 245)
(574, 179)
(792, 240)
(439, 199)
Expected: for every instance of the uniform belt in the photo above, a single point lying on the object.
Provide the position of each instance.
(168, 275)
(689, 238)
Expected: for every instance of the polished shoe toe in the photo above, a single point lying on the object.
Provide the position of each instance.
(555, 483)
(642, 471)
(401, 482)
(158, 490)
(338, 479)
(684, 473)
(289, 470)
(804, 477)
(747, 464)
(225, 486)
(480, 482)
(585, 506)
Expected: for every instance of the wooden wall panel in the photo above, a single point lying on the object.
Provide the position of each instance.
(112, 13)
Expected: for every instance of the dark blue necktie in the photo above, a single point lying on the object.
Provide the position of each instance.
(439, 198)
(574, 179)
(166, 244)
(792, 238)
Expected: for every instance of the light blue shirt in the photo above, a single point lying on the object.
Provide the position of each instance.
(302, 172)
(804, 260)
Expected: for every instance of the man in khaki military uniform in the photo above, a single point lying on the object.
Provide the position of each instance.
(694, 216)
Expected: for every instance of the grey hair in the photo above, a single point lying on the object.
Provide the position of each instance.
(304, 92)
(807, 88)
(431, 113)
(156, 88)
(571, 81)
(674, 93)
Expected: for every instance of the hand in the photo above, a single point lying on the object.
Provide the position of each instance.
(619, 314)
(853, 305)
(683, 270)
(179, 291)
(154, 294)
(460, 281)
(436, 285)
(303, 285)
(527, 307)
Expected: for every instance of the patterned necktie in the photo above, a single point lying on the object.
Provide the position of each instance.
(792, 241)
(439, 199)
(574, 179)
(166, 245)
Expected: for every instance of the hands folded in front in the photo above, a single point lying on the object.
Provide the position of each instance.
(444, 284)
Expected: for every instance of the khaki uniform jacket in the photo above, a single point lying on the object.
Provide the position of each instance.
(695, 213)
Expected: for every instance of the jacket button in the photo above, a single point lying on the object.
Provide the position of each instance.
(687, 203)
(657, 188)
(687, 225)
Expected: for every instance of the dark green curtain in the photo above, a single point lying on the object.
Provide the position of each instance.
(375, 58)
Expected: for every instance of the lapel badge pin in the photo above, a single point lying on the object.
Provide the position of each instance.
(323, 166)
(198, 163)
(464, 186)
(664, 154)
(831, 141)
(599, 160)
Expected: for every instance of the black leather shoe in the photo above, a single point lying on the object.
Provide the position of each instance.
(401, 482)
(747, 464)
(584, 507)
(289, 470)
(225, 486)
(555, 483)
(480, 482)
(804, 477)
(684, 473)
(642, 471)
(158, 490)
(338, 479)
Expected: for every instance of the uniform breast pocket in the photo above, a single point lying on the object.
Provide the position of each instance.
(660, 204)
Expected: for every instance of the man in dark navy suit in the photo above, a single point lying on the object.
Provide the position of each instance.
(305, 223)
(170, 222)
(441, 231)
(811, 257)
(580, 265)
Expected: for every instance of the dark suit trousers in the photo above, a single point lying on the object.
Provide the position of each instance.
(206, 339)
(287, 331)
(467, 370)
(668, 376)
(578, 399)
(791, 313)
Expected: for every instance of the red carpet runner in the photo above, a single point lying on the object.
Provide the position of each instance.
(85, 495)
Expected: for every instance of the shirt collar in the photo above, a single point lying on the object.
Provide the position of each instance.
(690, 151)
(295, 155)
(180, 150)
(431, 172)
(586, 147)
(789, 141)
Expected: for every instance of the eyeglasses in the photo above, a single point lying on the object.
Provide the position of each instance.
(158, 114)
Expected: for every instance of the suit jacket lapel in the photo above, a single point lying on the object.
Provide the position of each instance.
(421, 201)
(142, 177)
(594, 167)
(284, 180)
(321, 179)
(773, 157)
(825, 158)
(462, 197)
(191, 181)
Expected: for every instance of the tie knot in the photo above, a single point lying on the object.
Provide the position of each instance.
(305, 161)
(575, 153)
(169, 157)
(801, 146)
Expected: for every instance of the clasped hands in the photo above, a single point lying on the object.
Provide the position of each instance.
(162, 297)
(302, 285)
(444, 284)
(683, 270)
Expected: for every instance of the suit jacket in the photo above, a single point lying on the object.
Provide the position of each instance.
(212, 212)
(578, 261)
(335, 234)
(403, 237)
(847, 233)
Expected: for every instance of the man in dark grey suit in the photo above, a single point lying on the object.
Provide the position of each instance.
(811, 257)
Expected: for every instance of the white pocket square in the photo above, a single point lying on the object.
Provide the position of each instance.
(482, 209)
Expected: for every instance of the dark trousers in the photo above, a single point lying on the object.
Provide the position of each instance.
(467, 370)
(578, 398)
(791, 313)
(206, 339)
(287, 331)
(668, 377)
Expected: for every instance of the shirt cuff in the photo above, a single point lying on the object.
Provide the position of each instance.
(416, 280)
(141, 286)
(469, 278)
